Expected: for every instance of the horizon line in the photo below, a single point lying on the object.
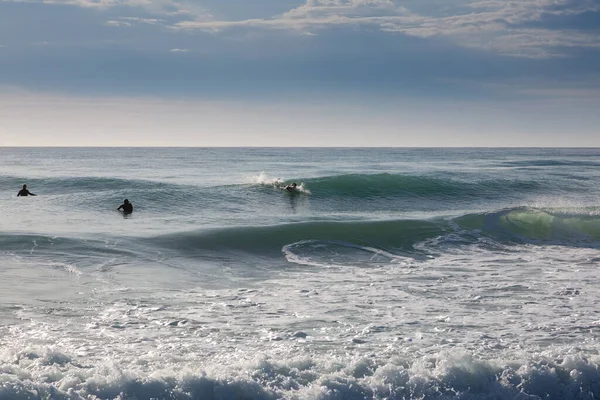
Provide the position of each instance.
(297, 147)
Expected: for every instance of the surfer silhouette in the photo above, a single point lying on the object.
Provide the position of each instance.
(25, 192)
(127, 207)
(292, 188)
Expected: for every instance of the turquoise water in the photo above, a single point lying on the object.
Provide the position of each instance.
(390, 273)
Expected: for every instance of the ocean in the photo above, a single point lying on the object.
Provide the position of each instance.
(389, 274)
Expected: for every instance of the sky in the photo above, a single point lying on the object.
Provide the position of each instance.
(300, 73)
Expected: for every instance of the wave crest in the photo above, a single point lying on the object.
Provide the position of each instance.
(537, 226)
(439, 376)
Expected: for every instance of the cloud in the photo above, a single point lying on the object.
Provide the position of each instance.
(494, 25)
(117, 23)
(498, 27)
(179, 50)
(181, 8)
(150, 21)
(131, 21)
(313, 14)
(509, 27)
(83, 3)
(351, 8)
(542, 43)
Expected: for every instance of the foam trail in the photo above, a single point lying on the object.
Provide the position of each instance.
(374, 255)
(264, 179)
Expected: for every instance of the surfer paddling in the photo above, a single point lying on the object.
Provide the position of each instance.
(25, 192)
(127, 207)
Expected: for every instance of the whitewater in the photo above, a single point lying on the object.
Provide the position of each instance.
(389, 274)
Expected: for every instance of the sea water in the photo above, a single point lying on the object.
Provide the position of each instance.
(389, 274)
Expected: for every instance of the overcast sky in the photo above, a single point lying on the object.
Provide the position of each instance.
(300, 72)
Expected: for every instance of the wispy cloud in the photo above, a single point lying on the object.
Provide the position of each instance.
(499, 26)
(495, 25)
(509, 27)
(352, 8)
(150, 21)
(179, 50)
(131, 21)
(540, 43)
(180, 8)
(83, 3)
(114, 22)
(314, 14)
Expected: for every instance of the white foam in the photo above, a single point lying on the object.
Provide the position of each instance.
(69, 268)
(264, 179)
(379, 256)
(443, 375)
(279, 183)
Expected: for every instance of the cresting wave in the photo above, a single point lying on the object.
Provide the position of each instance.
(511, 226)
(53, 375)
(397, 235)
(355, 186)
(571, 227)
(371, 186)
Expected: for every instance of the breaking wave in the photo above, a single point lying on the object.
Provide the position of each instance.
(396, 237)
(58, 376)
(371, 186)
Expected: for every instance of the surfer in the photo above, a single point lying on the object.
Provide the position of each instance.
(25, 192)
(127, 207)
(292, 188)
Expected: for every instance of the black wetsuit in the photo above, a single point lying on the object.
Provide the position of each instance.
(25, 192)
(127, 208)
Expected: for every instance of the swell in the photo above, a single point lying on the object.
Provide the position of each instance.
(64, 185)
(569, 227)
(164, 195)
(413, 186)
(551, 163)
(510, 226)
(86, 252)
(397, 235)
(100, 193)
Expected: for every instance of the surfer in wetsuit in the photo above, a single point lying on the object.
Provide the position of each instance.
(25, 192)
(127, 207)
(291, 188)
